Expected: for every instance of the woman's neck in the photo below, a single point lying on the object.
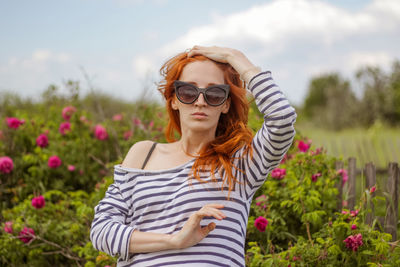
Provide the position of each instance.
(192, 143)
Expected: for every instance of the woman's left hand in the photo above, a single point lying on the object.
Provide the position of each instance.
(233, 57)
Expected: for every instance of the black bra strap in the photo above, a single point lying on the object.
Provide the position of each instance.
(149, 154)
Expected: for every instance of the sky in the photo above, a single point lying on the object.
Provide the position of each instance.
(118, 46)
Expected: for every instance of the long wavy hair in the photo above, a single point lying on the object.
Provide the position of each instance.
(232, 131)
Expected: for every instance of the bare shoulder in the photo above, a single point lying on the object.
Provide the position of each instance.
(136, 154)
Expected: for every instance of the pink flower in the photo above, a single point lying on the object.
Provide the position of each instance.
(261, 223)
(14, 123)
(71, 168)
(38, 202)
(64, 128)
(353, 227)
(302, 146)
(261, 200)
(284, 159)
(317, 151)
(344, 175)
(26, 234)
(314, 177)
(345, 212)
(128, 134)
(137, 121)
(8, 227)
(117, 117)
(42, 140)
(278, 173)
(151, 124)
(372, 189)
(6, 164)
(354, 213)
(67, 112)
(353, 242)
(100, 132)
(54, 162)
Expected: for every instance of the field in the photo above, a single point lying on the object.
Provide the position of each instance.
(378, 144)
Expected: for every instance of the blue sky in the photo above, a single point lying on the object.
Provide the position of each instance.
(121, 44)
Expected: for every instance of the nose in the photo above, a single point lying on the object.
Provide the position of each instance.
(200, 101)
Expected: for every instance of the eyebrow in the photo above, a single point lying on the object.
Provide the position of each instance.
(208, 85)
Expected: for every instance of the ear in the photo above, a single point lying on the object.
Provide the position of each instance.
(174, 104)
(226, 106)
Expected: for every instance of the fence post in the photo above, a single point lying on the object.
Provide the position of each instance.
(352, 172)
(339, 165)
(370, 180)
(392, 202)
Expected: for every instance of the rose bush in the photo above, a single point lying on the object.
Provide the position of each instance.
(51, 181)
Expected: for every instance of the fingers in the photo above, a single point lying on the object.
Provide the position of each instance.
(211, 210)
(207, 229)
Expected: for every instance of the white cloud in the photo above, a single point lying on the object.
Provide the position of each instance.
(302, 37)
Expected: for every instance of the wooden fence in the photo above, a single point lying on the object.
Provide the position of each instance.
(389, 222)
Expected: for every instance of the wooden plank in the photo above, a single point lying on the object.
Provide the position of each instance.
(392, 202)
(370, 180)
(339, 185)
(352, 172)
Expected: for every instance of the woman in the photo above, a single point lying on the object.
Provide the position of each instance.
(186, 202)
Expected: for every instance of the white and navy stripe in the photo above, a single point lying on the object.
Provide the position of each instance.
(162, 201)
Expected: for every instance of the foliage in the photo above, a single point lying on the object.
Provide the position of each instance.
(331, 103)
(292, 220)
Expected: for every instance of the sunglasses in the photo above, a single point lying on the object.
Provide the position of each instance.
(214, 95)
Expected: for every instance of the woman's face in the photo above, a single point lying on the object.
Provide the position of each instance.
(199, 116)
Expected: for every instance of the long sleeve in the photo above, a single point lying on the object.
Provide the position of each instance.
(273, 140)
(109, 232)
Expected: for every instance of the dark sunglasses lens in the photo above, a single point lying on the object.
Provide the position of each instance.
(215, 96)
(187, 94)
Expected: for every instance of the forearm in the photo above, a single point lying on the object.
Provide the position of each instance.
(141, 242)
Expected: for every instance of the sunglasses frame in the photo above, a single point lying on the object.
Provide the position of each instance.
(224, 87)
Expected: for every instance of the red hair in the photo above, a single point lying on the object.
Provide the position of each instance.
(232, 132)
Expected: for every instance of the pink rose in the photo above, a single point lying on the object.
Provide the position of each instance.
(42, 140)
(8, 227)
(317, 151)
(38, 202)
(71, 168)
(344, 175)
(302, 146)
(261, 223)
(128, 134)
(353, 227)
(372, 189)
(14, 123)
(278, 173)
(117, 117)
(26, 234)
(6, 164)
(100, 132)
(137, 121)
(354, 213)
(353, 242)
(314, 177)
(67, 112)
(64, 128)
(54, 162)
(151, 124)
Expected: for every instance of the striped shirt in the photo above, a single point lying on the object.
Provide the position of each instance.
(161, 201)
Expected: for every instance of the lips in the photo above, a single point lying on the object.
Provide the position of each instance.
(199, 115)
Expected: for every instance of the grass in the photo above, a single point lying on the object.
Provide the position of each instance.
(378, 144)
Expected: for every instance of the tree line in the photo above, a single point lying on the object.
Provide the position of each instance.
(331, 102)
